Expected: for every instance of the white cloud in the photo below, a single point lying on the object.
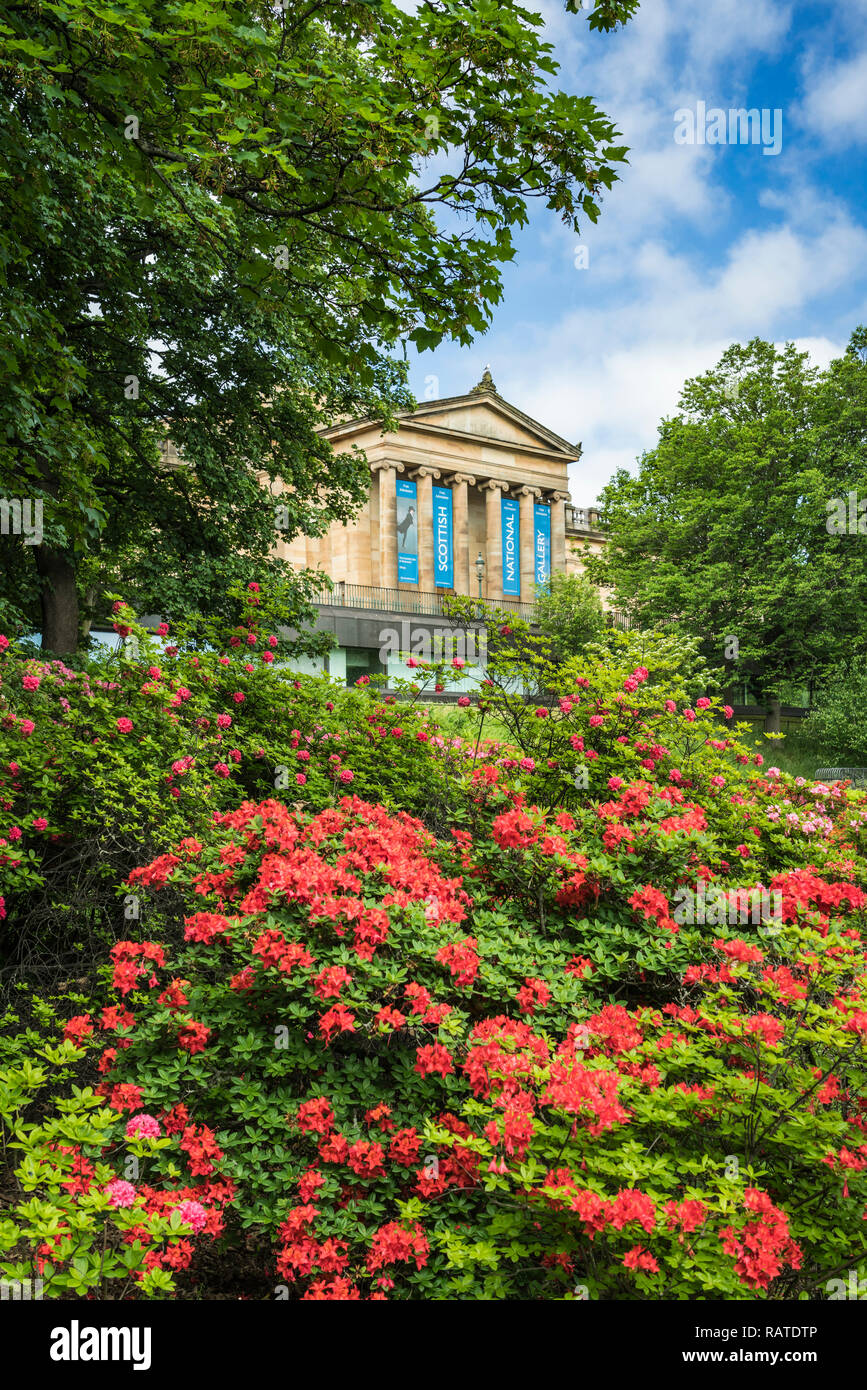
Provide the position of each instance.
(835, 105)
(607, 373)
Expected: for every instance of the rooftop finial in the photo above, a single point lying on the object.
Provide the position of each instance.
(486, 383)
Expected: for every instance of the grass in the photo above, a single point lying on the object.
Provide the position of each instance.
(792, 753)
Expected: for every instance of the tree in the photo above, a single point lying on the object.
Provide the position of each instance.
(838, 722)
(219, 220)
(569, 614)
(731, 529)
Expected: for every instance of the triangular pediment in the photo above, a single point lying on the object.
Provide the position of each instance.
(487, 416)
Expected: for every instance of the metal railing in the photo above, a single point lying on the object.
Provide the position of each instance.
(373, 599)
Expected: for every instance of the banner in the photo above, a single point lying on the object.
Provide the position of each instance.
(407, 532)
(444, 566)
(511, 526)
(542, 543)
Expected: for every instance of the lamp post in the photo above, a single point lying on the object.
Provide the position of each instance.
(480, 571)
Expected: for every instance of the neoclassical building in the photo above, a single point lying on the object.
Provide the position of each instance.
(468, 496)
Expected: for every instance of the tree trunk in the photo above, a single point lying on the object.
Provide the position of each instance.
(772, 717)
(59, 599)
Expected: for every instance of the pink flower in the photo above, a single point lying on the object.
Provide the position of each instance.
(4, 642)
(124, 725)
(143, 1127)
(222, 769)
(541, 713)
(670, 706)
(347, 776)
(193, 1214)
(458, 662)
(254, 586)
(30, 682)
(703, 703)
(615, 783)
(267, 657)
(596, 720)
(40, 823)
(463, 701)
(727, 711)
(239, 697)
(410, 661)
(14, 833)
(224, 721)
(689, 715)
(527, 764)
(300, 778)
(27, 726)
(163, 629)
(120, 1193)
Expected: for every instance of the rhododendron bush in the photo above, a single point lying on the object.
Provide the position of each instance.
(384, 1076)
(394, 1015)
(116, 760)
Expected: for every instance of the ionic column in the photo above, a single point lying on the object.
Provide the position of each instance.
(528, 496)
(558, 532)
(424, 478)
(460, 482)
(386, 477)
(494, 539)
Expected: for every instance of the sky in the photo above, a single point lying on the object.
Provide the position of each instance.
(698, 245)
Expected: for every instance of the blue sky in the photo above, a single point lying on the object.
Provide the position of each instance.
(698, 246)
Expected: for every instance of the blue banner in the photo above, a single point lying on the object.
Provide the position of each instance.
(407, 532)
(542, 543)
(511, 525)
(444, 566)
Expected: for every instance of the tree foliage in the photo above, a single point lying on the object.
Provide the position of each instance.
(222, 220)
(728, 527)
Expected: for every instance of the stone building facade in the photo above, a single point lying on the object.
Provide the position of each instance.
(469, 496)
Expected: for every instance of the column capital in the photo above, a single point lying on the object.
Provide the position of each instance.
(528, 491)
(493, 483)
(425, 471)
(561, 497)
(381, 465)
(463, 478)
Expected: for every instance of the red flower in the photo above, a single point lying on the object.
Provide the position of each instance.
(193, 1037)
(433, 1059)
(393, 1242)
(78, 1027)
